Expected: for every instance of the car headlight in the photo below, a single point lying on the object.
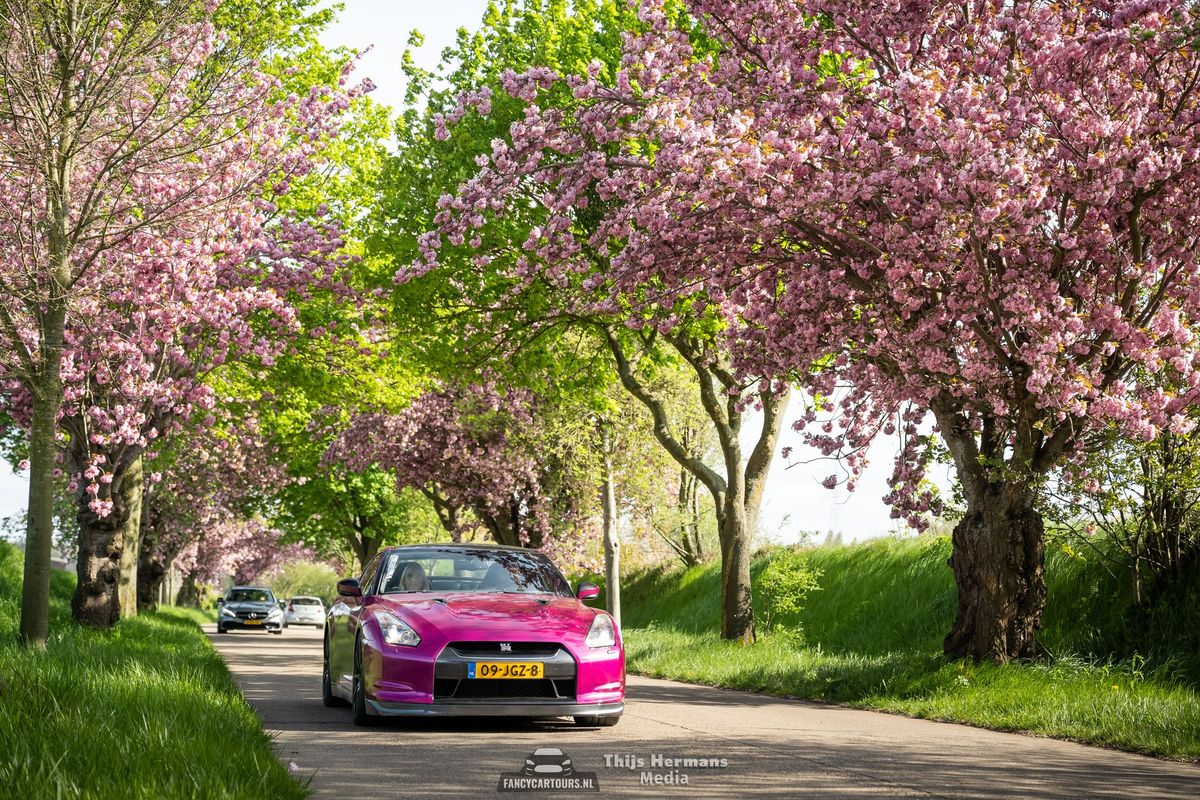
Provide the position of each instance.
(397, 631)
(274, 612)
(603, 632)
(225, 612)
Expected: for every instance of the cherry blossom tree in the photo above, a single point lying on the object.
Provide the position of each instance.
(203, 476)
(244, 550)
(493, 269)
(984, 211)
(470, 452)
(141, 148)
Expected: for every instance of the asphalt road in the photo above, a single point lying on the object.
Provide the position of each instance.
(771, 747)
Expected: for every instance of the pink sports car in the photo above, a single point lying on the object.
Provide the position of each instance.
(471, 630)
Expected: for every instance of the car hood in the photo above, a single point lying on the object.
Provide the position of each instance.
(484, 615)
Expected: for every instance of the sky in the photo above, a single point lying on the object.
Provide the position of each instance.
(795, 502)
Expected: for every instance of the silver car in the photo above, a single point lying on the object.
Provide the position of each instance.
(305, 611)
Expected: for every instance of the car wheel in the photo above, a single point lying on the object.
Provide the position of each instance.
(220, 629)
(358, 704)
(597, 722)
(327, 696)
(278, 632)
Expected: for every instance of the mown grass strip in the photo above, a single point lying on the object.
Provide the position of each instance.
(146, 710)
(871, 638)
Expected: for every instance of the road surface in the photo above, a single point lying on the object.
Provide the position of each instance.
(770, 747)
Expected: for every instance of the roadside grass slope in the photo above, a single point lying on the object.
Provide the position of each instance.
(871, 637)
(146, 710)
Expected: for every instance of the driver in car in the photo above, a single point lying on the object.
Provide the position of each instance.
(413, 578)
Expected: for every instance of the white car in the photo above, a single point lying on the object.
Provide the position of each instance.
(305, 611)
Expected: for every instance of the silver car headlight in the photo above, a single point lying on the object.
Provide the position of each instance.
(603, 632)
(274, 612)
(397, 631)
(225, 612)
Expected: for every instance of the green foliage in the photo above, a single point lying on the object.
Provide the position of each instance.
(1114, 675)
(151, 696)
(782, 587)
(307, 579)
(1144, 496)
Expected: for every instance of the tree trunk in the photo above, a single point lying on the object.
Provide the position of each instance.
(102, 540)
(612, 546)
(152, 564)
(35, 592)
(189, 592)
(737, 610)
(694, 523)
(999, 570)
(152, 570)
(45, 379)
(689, 539)
(127, 591)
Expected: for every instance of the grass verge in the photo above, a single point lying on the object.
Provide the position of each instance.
(871, 638)
(146, 710)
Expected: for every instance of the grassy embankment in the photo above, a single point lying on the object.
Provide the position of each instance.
(146, 710)
(872, 634)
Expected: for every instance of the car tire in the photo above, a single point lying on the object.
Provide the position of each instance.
(328, 698)
(277, 633)
(597, 722)
(358, 704)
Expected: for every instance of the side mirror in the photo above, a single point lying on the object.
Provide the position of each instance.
(587, 591)
(220, 601)
(348, 587)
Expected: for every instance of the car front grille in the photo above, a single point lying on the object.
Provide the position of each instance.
(488, 649)
(453, 684)
(503, 689)
(251, 614)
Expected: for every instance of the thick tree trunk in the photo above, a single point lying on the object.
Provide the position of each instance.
(189, 592)
(152, 564)
(612, 546)
(127, 591)
(152, 570)
(102, 540)
(998, 567)
(737, 610)
(365, 547)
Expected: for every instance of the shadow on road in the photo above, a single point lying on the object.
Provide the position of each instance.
(772, 747)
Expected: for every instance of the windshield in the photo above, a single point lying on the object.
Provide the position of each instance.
(250, 596)
(306, 601)
(421, 569)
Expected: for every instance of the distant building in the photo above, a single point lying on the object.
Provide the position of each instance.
(58, 559)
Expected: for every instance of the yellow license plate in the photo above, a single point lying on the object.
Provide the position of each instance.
(505, 669)
(253, 622)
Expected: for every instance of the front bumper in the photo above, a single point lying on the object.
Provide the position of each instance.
(496, 708)
(269, 625)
